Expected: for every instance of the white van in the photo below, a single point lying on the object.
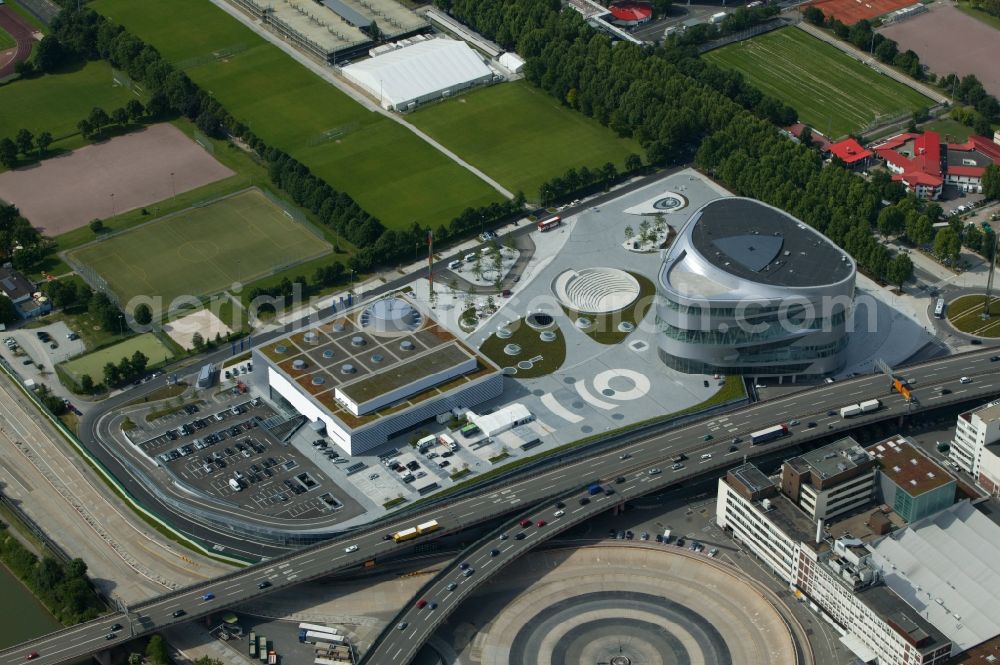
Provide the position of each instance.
(454, 265)
(235, 485)
(469, 258)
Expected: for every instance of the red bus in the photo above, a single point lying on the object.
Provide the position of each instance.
(550, 223)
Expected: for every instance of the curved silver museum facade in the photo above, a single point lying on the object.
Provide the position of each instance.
(748, 289)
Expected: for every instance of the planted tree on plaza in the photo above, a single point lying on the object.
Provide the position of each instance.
(900, 269)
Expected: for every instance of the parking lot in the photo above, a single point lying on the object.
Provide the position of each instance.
(34, 352)
(229, 451)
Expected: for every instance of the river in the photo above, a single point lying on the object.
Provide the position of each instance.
(21, 615)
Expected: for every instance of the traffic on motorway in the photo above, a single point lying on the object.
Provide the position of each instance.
(709, 444)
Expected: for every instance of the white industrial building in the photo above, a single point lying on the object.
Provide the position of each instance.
(502, 420)
(511, 61)
(375, 371)
(898, 595)
(416, 71)
(974, 430)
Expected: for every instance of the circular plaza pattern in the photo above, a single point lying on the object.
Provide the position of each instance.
(596, 290)
(631, 605)
(669, 202)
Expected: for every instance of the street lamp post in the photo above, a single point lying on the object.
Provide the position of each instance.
(121, 325)
(112, 204)
(173, 187)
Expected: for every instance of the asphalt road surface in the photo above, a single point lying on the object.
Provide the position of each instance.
(478, 506)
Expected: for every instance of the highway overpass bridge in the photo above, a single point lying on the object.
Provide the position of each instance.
(483, 504)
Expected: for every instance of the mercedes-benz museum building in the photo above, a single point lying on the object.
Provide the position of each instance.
(748, 289)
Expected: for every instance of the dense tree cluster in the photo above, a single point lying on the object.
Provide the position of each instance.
(735, 22)
(981, 108)
(69, 294)
(126, 371)
(8, 313)
(62, 587)
(666, 98)
(991, 182)
(20, 242)
(580, 182)
(53, 403)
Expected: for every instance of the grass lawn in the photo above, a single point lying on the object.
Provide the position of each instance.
(950, 130)
(521, 136)
(385, 167)
(202, 250)
(6, 41)
(54, 103)
(979, 15)
(965, 314)
(553, 353)
(831, 91)
(93, 363)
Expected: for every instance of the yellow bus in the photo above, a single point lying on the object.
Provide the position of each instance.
(405, 534)
(428, 527)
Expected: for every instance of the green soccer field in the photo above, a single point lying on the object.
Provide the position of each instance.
(385, 167)
(520, 135)
(831, 91)
(93, 363)
(202, 250)
(54, 103)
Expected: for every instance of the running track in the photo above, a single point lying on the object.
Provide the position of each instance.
(21, 32)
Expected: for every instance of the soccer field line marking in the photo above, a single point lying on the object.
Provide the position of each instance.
(771, 62)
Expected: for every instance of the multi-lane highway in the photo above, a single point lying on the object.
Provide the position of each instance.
(488, 503)
(628, 473)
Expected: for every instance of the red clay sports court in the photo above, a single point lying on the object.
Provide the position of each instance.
(850, 12)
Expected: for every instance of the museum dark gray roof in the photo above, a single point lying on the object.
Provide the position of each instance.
(759, 243)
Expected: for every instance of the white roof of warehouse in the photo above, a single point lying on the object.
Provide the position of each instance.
(502, 419)
(415, 71)
(944, 566)
(511, 61)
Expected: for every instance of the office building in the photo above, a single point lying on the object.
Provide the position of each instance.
(974, 430)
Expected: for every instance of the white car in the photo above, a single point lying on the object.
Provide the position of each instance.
(707, 456)
(965, 379)
(559, 513)
(352, 548)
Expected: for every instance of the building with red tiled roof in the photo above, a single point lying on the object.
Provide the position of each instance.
(631, 13)
(852, 153)
(924, 164)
